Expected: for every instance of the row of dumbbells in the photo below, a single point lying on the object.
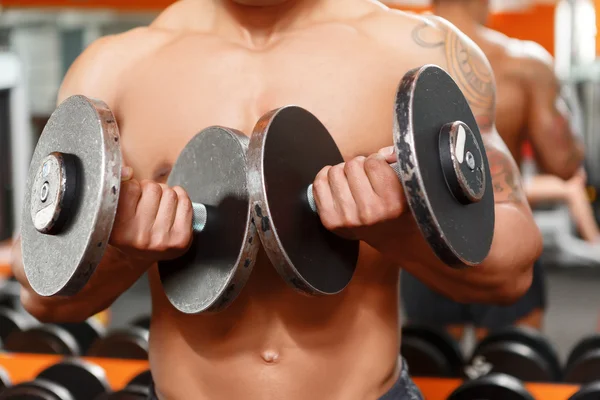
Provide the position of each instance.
(21, 333)
(74, 379)
(501, 362)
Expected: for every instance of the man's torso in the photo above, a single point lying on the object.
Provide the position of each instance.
(271, 341)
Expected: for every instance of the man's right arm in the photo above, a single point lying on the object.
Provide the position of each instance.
(557, 150)
(94, 74)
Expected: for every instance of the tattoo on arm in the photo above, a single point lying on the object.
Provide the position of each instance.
(474, 77)
(468, 70)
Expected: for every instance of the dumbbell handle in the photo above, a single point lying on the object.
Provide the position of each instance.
(311, 198)
(198, 217)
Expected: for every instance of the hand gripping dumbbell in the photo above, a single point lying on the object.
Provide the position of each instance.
(71, 200)
(442, 165)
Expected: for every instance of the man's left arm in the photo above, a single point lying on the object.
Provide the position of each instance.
(506, 273)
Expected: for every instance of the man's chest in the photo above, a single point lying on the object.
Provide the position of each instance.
(181, 90)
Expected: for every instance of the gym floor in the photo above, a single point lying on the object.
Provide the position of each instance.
(573, 299)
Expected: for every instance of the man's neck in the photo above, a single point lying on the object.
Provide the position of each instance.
(260, 25)
(466, 15)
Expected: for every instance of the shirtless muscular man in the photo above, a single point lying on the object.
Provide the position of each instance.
(234, 61)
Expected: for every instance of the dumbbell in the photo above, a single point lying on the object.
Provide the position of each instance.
(72, 194)
(583, 363)
(591, 391)
(72, 339)
(441, 162)
(10, 292)
(5, 381)
(431, 352)
(129, 342)
(521, 352)
(13, 321)
(137, 388)
(492, 387)
(71, 379)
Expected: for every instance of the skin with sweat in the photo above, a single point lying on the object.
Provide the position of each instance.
(210, 62)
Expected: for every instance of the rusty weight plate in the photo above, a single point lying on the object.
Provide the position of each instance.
(288, 147)
(212, 170)
(71, 196)
(443, 167)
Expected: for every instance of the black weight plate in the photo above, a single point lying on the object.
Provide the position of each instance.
(288, 147)
(492, 387)
(445, 343)
(584, 369)
(426, 100)
(82, 379)
(591, 342)
(129, 393)
(518, 360)
(43, 339)
(5, 381)
(10, 292)
(587, 392)
(142, 379)
(13, 321)
(424, 359)
(85, 333)
(212, 169)
(62, 263)
(142, 322)
(529, 337)
(128, 343)
(36, 390)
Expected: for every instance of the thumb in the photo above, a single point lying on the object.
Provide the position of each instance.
(389, 154)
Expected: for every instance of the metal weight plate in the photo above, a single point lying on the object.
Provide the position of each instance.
(37, 390)
(516, 359)
(492, 387)
(130, 343)
(441, 341)
(288, 147)
(212, 170)
(528, 337)
(444, 168)
(85, 333)
(82, 379)
(588, 343)
(71, 196)
(584, 369)
(5, 381)
(587, 392)
(43, 339)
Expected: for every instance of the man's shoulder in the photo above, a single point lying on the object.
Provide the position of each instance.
(98, 71)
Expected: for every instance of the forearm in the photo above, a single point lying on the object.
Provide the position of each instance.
(113, 276)
(545, 188)
(502, 278)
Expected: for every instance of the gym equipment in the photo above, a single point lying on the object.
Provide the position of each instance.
(128, 393)
(130, 342)
(36, 390)
(492, 387)
(142, 322)
(65, 339)
(10, 292)
(583, 363)
(72, 195)
(521, 352)
(13, 321)
(441, 162)
(71, 379)
(5, 381)
(431, 352)
(142, 379)
(212, 169)
(590, 391)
